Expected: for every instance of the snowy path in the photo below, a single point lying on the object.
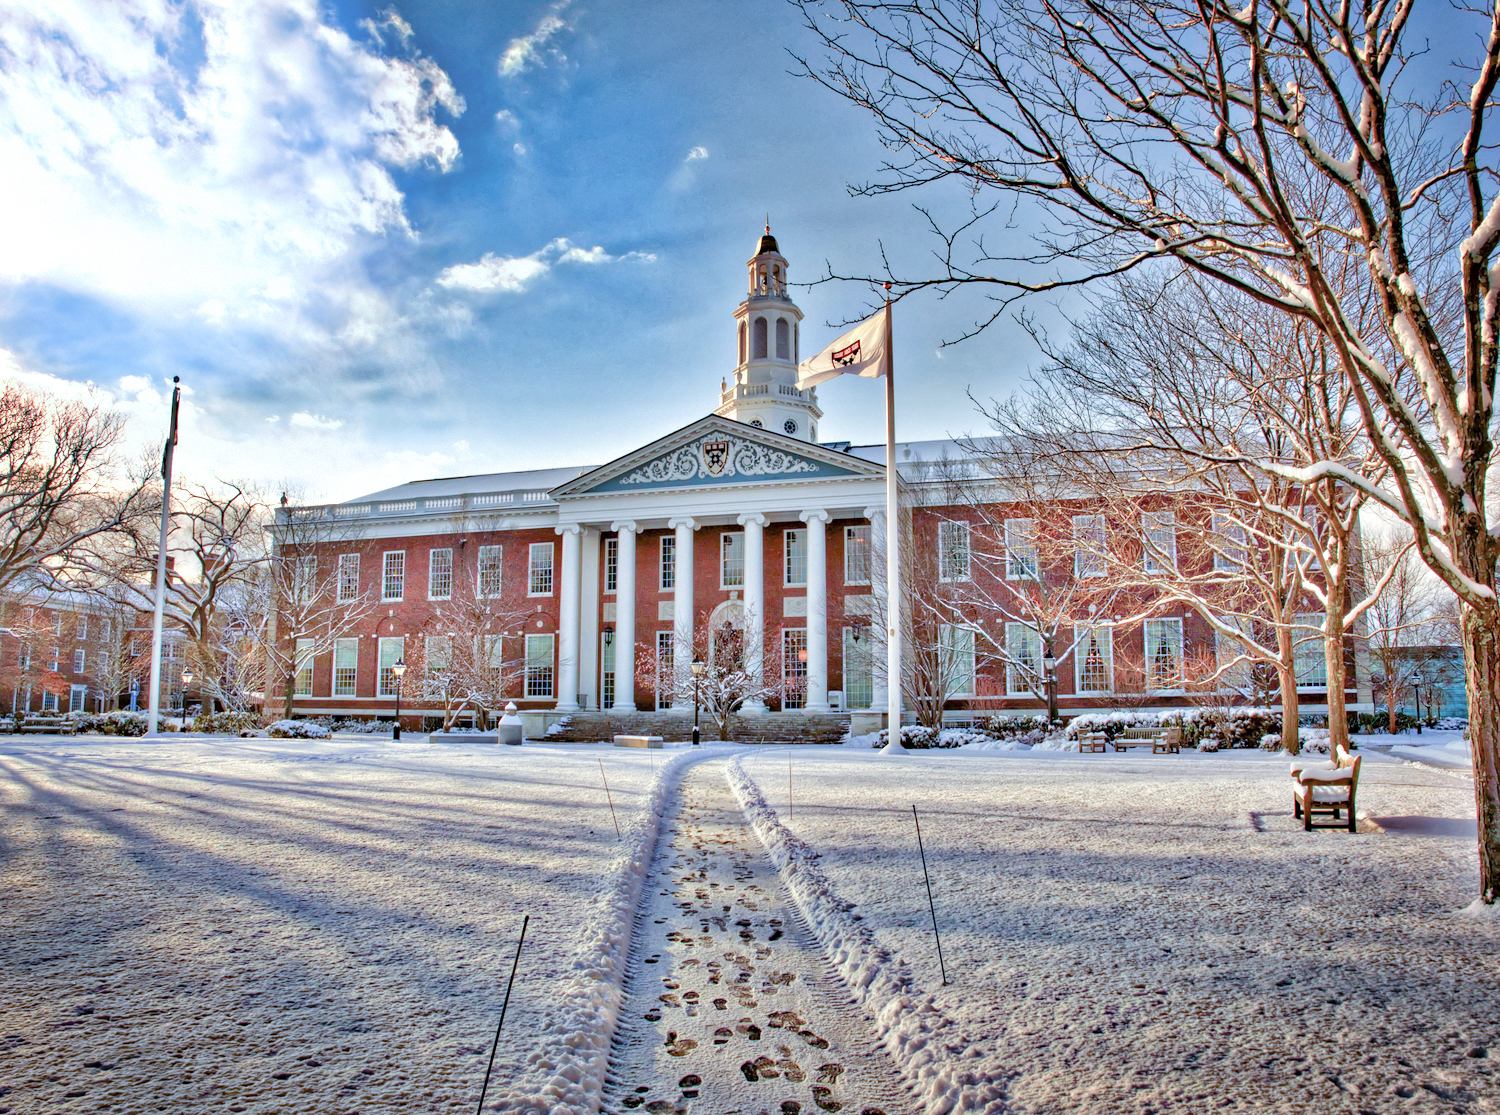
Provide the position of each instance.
(730, 1006)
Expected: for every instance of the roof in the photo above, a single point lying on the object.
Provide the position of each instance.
(540, 479)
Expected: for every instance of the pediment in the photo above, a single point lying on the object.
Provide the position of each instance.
(718, 451)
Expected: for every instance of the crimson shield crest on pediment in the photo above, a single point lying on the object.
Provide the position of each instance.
(715, 456)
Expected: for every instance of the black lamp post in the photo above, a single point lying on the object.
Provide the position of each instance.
(698, 668)
(187, 679)
(1416, 681)
(398, 669)
(1049, 664)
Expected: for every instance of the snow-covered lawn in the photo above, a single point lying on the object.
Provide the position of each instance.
(1156, 933)
(291, 926)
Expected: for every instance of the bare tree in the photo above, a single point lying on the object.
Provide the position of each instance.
(1399, 619)
(462, 661)
(1215, 136)
(729, 678)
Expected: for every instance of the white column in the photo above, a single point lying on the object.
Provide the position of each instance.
(682, 609)
(588, 619)
(755, 606)
(625, 618)
(817, 610)
(875, 632)
(567, 612)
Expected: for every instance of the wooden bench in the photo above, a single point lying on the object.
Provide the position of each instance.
(1169, 742)
(1092, 741)
(54, 724)
(638, 741)
(1326, 788)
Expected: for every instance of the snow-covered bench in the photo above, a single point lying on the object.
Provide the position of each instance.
(54, 724)
(638, 741)
(1093, 741)
(1161, 740)
(1326, 788)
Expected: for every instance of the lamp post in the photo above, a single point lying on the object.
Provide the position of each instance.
(1416, 681)
(609, 645)
(1049, 664)
(698, 668)
(187, 680)
(398, 669)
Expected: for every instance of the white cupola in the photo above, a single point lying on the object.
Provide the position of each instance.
(764, 392)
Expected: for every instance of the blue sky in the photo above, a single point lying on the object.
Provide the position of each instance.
(382, 243)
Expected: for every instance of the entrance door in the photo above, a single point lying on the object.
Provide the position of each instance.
(665, 641)
(607, 670)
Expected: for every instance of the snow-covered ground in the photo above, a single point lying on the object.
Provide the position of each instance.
(289, 926)
(1156, 933)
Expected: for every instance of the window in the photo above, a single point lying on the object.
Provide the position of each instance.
(956, 659)
(305, 580)
(665, 659)
(345, 667)
(494, 652)
(1020, 551)
(104, 629)
(57, 623)
(783, 340)
(1023, 653)
(539, 575)
(391, 648)
(538, 665)
(859, 688)
(856, 555)
(77, 695)
(758, 332)
(439, 650)
(79, 665)
(611, 564)
(794, 666)
(103, 663)
(49, 701)
(303, 684)
(1228, 543)
(23, 657)
(668, 562)
(742, 342)
(1088, 545)
(348, 576)
(732, 559)
(1232, 674)
(796, 559)
(1163, 654)
(56, 660)
(489, 571)
(81, 628)
(1159, 533)
(1094, 660)
(393, 586)
(1308, 654)
(440, 575)
(953, 551)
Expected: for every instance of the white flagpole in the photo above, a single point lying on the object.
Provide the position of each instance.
(892, 548)
(154, 708)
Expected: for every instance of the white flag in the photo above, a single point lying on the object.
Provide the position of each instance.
(859, 352)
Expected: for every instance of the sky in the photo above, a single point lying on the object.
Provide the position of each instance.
(386, 243)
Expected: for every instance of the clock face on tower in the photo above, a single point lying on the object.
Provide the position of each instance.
(789, 426)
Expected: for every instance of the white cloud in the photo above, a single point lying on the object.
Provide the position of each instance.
(307, 421)
(513, 274)
(519, 149)
(507, 121)
(522, 53)
(695, 154)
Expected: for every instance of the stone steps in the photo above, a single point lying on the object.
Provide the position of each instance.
(770, 727)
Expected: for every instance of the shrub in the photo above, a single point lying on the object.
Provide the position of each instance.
(1207, 729)
(298, 729)
(121, 722)
(225, 723)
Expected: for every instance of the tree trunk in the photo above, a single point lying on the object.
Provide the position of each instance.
(1390, 705)
(1481, 634)
(289, 686)
(1337, 670)
(1286, 676)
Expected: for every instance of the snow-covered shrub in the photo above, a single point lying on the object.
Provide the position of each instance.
(1452, 724)
(121, 722)
(1207, 729)
(298, 729)
(914, 736)
(225, 723)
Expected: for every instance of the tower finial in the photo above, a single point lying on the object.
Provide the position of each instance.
(768, 222)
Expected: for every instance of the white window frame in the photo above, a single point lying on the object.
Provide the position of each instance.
(78, 696)
(49, 701)
(302, 679)
(732, 553)
(666, 652)
(1081, 638)
(1171, 627)
(81, 628)
(393, 575)
(1158, 533)
(794, 551)
(104, 627)
(1021, 639)
(859, 669)
(1022, 559)
(489, 578)
(857, 553)
(611, 565)
(1230, 539)
(956, 659)
(348, 588)
(305, 579)
(1226, 649)
(666, 563)
(540, 557)
(793, 669)
(80, 660)
(346, 667)
(954, 556)
(437, 651)
(1088, 533)
(440, 579)
(541, 679)
(1309, 656)
(386, 681)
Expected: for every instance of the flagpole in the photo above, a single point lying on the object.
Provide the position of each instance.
(154, 708)
(892, 547)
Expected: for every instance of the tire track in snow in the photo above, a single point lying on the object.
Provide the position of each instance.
(730, 1006)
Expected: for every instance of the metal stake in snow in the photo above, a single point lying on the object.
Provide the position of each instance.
(789, 784)
(514, 964)
(609, 799)
(930, 905)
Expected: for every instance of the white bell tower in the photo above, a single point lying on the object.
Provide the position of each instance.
(764, 392)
